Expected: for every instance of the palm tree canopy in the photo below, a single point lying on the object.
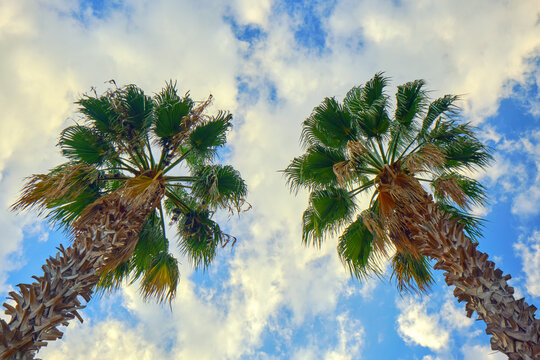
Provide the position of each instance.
(351, 145)
(130, 140)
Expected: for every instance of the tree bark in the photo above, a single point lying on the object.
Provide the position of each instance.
(511, 323)
(103, 238)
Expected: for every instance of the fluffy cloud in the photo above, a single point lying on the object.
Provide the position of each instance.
(481, 352)
(416, 326)
(529, 252)
(108, 339)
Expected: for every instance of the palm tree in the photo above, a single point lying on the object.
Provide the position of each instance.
(357, 147)
(122, 175)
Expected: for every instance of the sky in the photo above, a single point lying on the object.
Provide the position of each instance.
(270, 62)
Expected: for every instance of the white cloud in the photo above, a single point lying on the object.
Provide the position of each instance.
(529, 252)
(252, 12)
(105, 340)
(416, 326)
(481, 352)
(351, 336)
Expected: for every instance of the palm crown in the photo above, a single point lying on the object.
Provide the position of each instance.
(128, 141)
(351, 147)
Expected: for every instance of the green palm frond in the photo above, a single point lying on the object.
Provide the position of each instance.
(356, 251)
(80, 143)
(200, 236)
(314, 169)
(312, 231)
(367, 106)
(100, 113)
(439, 107)
(136, 109)
(328, 125)
(206, 138)
(63, 212)
(161, 278)
(169, 117)
(466, 152)
(410, 102)
(334, 207)
(219, 187)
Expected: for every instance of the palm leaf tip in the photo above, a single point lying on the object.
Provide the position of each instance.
(161, 279)
(412, 274)
(357, 253)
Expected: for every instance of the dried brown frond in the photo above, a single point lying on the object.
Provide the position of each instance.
(374, 224)
(428, 157)
(65, 183)
(449, 188)
(356, 150)
(343, 171)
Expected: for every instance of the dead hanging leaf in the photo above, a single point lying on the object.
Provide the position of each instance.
(343, 171)
(428, 157)
(66, 183)
(449, 188)
(356, 150)
(374, 224)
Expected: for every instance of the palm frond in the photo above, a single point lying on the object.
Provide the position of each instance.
(367, 106)
(460, 189)
(136, 110)
(356, 251)
(199, 237)
(412, 273)
(169, 116)
(80, 143)
(206, 138)
(466, 152)
(160, 280)
(100, 113)
(312, 231)
(219, 186)
(410, 102)
(333, 207)
(426, 157)
(62, 184)
(439, 107)
(328, 125)
(314, 169)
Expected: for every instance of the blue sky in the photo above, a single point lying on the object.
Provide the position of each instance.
(270, 62)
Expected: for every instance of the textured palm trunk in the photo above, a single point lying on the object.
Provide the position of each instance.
(106, 236)
(511, 323)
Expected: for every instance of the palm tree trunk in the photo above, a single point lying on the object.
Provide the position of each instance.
(511, 323)
(103, 238)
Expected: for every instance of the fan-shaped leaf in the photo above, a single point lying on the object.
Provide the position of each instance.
(411, 274)
(206, 138)
(81, 143)
(333, 207)
(314, 169)
(410, 102)
(219, 186)
(328, 125)
(356, 251)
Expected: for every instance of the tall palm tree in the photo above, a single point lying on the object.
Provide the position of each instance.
(357, 147)
(133, 159)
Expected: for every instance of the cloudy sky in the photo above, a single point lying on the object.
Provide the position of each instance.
(270, 62)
